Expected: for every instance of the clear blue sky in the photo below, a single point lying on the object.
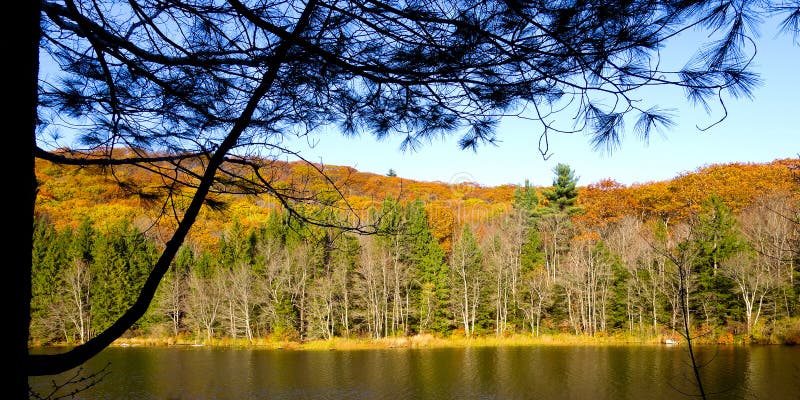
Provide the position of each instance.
(761, 130)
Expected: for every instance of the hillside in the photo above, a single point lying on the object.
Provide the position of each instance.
(69, 194)
(452, 259)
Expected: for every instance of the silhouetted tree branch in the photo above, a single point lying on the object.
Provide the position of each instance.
(73, 385)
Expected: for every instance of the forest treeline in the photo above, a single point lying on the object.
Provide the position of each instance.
(445, 259)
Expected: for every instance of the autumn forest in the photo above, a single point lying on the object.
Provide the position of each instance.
(387, 257)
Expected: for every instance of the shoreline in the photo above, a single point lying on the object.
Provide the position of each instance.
(423, 341)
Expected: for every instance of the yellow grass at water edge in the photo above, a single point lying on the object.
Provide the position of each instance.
(399, 342)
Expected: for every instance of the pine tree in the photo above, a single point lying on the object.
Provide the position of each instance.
(564, 193)
(554, 222)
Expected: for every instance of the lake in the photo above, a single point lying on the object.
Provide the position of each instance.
(532, 372)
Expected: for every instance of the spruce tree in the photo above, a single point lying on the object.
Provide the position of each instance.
(717, 239)
(237, 245)
(49, 258)
(526, 201)
(82, 241)
(617, 306)
(122, 258)
(428, 258)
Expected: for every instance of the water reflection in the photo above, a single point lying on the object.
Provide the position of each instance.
(540, 372)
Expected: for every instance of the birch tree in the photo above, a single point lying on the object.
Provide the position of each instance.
(466, 264)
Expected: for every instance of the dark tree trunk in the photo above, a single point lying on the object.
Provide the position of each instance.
(23, 101)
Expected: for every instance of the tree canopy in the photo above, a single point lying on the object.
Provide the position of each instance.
(205, 95)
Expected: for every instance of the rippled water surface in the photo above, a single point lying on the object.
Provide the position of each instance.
(539, 372)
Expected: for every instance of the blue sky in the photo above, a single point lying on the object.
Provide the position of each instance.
(759, 130)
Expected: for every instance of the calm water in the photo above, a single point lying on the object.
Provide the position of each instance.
(583, 372)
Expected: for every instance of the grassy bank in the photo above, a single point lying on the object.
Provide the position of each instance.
(410, 342)
(416, 341)
(788, 332)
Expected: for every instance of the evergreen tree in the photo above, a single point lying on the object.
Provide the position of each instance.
(617, 304)
(237, 245)
(525, 198)
(346, 261)
(393, 229)
(49, 258)
(428, 259)
(56, 256)
(274, 230)
(526, 201)
(564, 193)
(183, 260)
(205, 264)
(122, 258)
(468, 247)
(716, 239)
(532, 254)
(553, 221)
(82, 241)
